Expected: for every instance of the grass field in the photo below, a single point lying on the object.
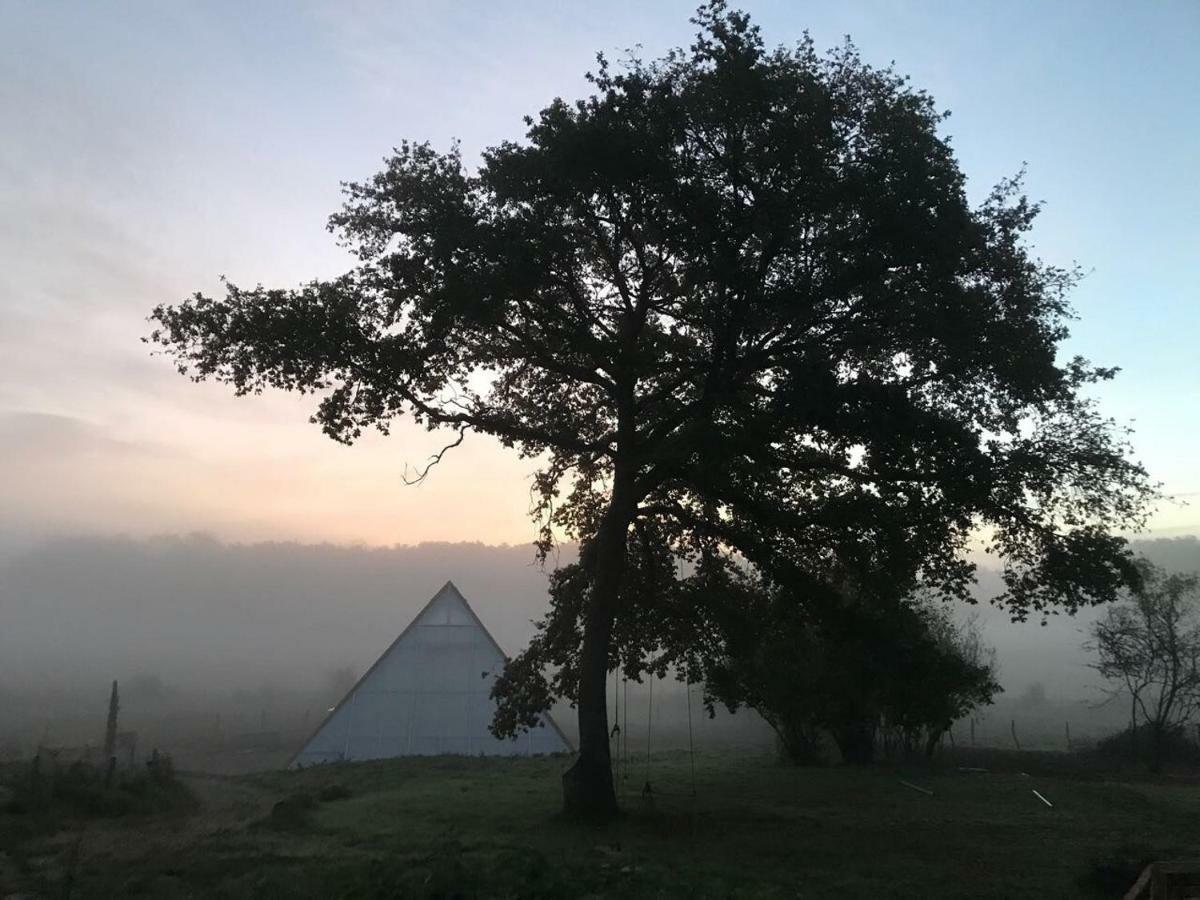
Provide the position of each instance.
(460, 827)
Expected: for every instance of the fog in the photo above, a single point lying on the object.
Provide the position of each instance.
(266, 635)
(198, 612)
(206, 636)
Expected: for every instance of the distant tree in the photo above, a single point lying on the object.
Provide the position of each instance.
(736, 295)
(854, 669)
(110, 729)
(1149, 650)
(1034, 696)
(146, 686)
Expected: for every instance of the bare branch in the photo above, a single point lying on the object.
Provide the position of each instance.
(433, 460)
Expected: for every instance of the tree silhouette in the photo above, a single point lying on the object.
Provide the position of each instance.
(1149, 648)
(736, 295)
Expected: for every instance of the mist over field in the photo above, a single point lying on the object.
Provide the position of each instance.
(199, 612)
(210, 640)
(269, 633)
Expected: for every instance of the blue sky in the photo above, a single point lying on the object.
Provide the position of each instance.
(152, 147)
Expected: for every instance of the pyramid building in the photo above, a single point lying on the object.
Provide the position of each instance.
(428, 694)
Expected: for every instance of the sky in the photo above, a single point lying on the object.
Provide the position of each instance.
(149, 148)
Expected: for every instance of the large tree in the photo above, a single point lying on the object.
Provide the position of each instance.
(737, 295)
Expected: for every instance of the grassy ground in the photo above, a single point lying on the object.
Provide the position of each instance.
(456, 827)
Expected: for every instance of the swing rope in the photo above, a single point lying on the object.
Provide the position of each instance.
(649, 723)
(625, 733)
(616, 729)
(691, 740)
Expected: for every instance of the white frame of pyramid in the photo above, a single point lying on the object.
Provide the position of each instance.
(428, 694)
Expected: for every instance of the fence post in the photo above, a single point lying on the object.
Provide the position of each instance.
(35, 776)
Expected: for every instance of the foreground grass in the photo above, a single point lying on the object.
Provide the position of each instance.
(458, 827)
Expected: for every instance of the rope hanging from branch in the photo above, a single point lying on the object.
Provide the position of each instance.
(625, 733)
(615, 734)
(691, 739)
(649, 724)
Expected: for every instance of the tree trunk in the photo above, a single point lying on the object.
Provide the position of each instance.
(798, 742)
(856, 741)
(931, 742)
(588, 785)
(1157, 739)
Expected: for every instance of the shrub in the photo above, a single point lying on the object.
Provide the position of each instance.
(1137, 745)
(291, 813)
(332, 792)
(40, 788)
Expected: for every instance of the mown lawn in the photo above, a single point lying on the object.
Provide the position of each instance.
(457, 827)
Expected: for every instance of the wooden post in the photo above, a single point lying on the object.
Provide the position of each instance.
(35, 777)
(1014, 734)
(110, 730)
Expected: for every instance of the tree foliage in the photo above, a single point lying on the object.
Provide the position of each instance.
(737, 295)
(858, 667)
(949, 674)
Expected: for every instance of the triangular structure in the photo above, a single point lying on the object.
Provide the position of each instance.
(428, 694)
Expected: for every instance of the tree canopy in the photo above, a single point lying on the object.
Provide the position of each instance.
(736, 296)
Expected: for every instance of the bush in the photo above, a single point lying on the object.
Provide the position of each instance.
(332, 792)
(291, 813)
(1138, 746)
(41, 788)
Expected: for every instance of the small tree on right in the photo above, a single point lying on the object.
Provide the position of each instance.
(1149, 652)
